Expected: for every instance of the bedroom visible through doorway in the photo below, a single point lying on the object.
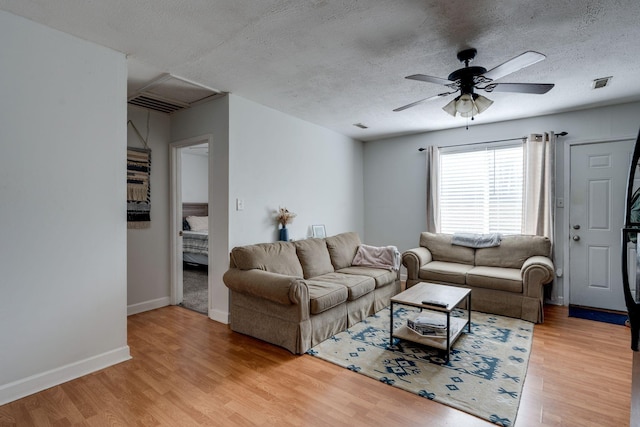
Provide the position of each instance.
(190, 207)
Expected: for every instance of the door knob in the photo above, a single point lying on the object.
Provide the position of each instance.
(576, 238)
(576, 227)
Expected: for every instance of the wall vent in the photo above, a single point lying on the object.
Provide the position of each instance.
(169, 93)
(156, 103)
(601, 82)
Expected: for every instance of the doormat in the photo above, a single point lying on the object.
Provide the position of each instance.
(483, 377)
(616, 318)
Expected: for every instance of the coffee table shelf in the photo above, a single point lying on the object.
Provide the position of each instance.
(418, 296)
(455, 329)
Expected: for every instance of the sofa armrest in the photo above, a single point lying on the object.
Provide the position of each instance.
(274, 287)
(413, 259)
(536, 272)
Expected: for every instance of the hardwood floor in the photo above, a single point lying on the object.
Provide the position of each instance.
(188, 370)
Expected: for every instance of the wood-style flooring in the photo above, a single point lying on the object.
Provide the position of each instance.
(188, 370)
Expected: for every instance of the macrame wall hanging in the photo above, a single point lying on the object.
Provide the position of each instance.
(138, 183)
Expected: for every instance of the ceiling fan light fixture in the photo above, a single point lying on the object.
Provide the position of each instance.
(468, 105)
(482, 103)
(450, 108)
(464, 104)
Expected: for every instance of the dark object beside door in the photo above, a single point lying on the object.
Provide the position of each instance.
(630, 232)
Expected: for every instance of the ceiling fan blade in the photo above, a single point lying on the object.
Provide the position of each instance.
(514, 64)
(429, 79)
(535, 88)
(413, 104)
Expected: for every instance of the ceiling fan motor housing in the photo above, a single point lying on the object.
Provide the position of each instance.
(466, 77)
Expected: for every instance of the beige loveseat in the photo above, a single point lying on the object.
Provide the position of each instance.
(507, 279)
(298, 294)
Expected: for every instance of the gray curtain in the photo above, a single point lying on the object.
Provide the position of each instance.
(433, 212)
(539, 183)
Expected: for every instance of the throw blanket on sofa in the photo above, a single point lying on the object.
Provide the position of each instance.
(378, 257)
(473, 240)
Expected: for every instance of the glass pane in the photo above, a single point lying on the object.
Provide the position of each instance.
(481, 190)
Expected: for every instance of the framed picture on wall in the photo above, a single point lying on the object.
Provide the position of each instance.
(318, 231)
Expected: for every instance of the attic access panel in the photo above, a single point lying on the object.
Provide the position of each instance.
(170, 93)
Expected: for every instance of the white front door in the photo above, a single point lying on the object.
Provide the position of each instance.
(598, 181)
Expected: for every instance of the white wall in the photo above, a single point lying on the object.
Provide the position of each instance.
(63, 211)
(212, 118)
(279, 160)
(148, 248)
(405, 188)
(195, 170)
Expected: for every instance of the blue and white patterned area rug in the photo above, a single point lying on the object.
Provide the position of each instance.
(484, 375)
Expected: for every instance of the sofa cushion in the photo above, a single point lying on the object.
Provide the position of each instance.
(278, 257)
(357, 286)
(381, 276)
(314, 257)
(513, 251)
(342, 249)
(500, 279)
(448, 272)
(442, 250)
(325, 295)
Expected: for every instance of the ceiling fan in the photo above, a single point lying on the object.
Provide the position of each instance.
(468, 79)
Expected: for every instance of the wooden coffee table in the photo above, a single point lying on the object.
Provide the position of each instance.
(434, 297)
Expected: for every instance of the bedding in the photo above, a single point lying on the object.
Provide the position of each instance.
(195, 241)
(195, 246)
(199, 259)
(195, 235)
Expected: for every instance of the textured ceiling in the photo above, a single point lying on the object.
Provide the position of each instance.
(337, 63)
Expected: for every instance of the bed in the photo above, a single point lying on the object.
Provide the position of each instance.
(195, 233)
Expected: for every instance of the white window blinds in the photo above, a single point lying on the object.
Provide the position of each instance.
(481, 190)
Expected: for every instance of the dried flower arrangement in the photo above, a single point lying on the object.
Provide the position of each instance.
(284, 217)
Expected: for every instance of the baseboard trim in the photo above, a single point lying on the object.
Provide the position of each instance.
(35, 383)
(219, 316)
(148, 305)
(555, 301)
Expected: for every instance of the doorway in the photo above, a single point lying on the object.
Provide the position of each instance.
(190, 266)
(598, 178)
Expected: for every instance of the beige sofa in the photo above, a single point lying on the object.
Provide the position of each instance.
(298, 294)
(507, 279)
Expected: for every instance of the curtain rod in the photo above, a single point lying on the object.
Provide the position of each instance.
(563, 133)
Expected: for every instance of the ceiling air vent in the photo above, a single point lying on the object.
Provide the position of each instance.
(169, 93)
(156, 103)
(601, 82)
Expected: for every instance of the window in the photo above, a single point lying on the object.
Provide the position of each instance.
(481, 189)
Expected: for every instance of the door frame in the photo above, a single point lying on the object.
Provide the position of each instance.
(175, 215)
(566, 230)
